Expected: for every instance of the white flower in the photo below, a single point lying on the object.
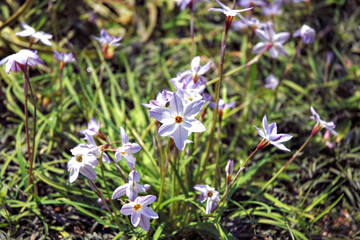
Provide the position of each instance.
(106, 39)
(93, 128)
(271, 82)
(328, 125)
(306, 33)
(127, 150)
(132, 188)
(271, 136)
(64, 57)
(272, 41)
(192, 79)
(30, 32)
(189, 95)
(83, 161)
(228, 11)
(19, 61)
(210, 194)
(140, 213)
(179, 121)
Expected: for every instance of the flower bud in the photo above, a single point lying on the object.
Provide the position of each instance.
(229, 169)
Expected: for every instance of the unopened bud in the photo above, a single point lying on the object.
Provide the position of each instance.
(229, 169)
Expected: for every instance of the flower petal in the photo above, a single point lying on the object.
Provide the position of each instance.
(147, 200)
(163, 115)
(149, 213)
(205, 68)
(193, 125)
(176, 105)
(280, 48)
(195, 64)
(124, 136)
(167, 129)
(259, 48)
(88, 171)
(266, 126)
(180, 135)
(193, 108)
(74, 173)
(120, 191)
(135, 218)
(280, 146)
(127, 209)
(144, 223)
(262, 34)
(260, 132)
(281, 37)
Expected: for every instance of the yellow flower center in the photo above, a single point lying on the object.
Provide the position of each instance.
(190, 98)
(137, 207)
(78, 158)
(178, 119)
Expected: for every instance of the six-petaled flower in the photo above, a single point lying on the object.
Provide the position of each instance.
(19, 61)
(210, 194)
(36, 36)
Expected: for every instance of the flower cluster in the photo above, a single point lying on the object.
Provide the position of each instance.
(85, 159)
(177, 111)
(35, 36)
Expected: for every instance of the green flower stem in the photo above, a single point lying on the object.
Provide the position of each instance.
(108, 192)
(163, 172)
(209, 146)
(31, 151)
(228, 187)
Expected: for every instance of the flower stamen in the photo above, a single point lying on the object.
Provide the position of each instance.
(178, 119)
(137, 207)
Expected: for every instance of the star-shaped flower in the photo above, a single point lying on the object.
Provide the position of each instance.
(272, 10)
(192, 79)
(270, 136)
(64, 57)
(132, 188)
(210, 194)
(251, 3)
(228, 11)
(106, 39)
(139, 211)
(273, 42)
(30, 32)
(93, 128)
(95, 150)
(178, 121)
(127, 150)
(22, 59)
(83, 161)
(321, 123)
(162, 98)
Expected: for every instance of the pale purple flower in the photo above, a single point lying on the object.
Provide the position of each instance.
(251, 22)
(132, 188)
(30, 32)
(306, 33)
(271, 82)
(179, 121)
(328, 125)
(273, 42)
(93, 128)
(83, 161)
(251, 3)
(140, 213)
(222, 105)
(239, 25)
(95, 150)
(19, 61)
(64, 57)
(192, 79)
(106, 39)
(127, 150)
(272, 9)
(271, 136)
(210, 194)
(162, 98)
(228, 11)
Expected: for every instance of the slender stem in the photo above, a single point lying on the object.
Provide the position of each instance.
(163, 171)
(216, 110)
(218, 172)
(61, 105)
(286, 164)
(31, 152)
(108, 192)
(192, 33)
(228, 187)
